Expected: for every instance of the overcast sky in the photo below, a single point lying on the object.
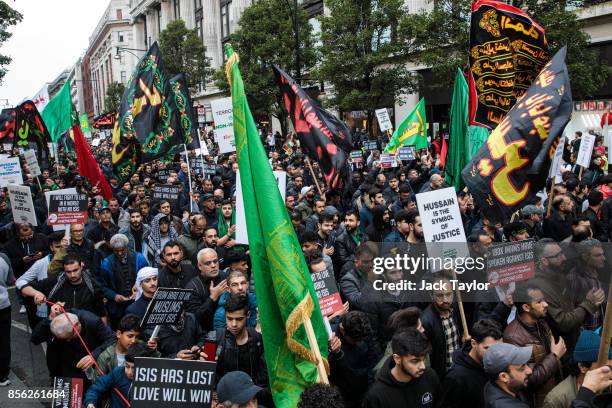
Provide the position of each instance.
(51, 37)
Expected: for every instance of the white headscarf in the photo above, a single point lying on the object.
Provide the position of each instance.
(143, 273)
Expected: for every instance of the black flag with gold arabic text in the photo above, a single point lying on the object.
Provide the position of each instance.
(31, 132)
(512, 166)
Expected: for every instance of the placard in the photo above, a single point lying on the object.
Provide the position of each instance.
(384, 122)
(241, 228)
(587, 143)
(370, 145)
(67, 209)
(222, 112)
(406, 153)
(32, 161)
(357, 156)
(67, 392)
(555, 167)
(48, 195)
(442, 224)
(163, 174)
(209, 169)
(166, 306)
(327, 292)
(95, 142)
(510, 262)
(168, 192)
(170, 383)
(10, 171)
(22, 204)
(387, 161)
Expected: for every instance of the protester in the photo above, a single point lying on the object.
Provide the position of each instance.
(508, 373)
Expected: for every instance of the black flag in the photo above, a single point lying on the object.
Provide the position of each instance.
(512, 166)
(31, 132)
(325, 138)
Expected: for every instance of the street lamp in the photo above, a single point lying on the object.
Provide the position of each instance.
(125, 49)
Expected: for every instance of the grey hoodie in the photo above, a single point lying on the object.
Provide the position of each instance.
(6, 276)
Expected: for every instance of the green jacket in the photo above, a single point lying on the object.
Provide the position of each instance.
(563, 394)
(191, 245)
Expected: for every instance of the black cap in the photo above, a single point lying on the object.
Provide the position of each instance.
(207, 196)
(236, 387)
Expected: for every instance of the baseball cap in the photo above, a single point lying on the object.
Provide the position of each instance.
(532, 209)
(207, 196)
(304, 190)
(104, 207)
(499, 356)
(237, 387)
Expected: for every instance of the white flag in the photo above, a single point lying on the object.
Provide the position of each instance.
(41, 99)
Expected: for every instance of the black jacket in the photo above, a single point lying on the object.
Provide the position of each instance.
(464, 382)
(387, 392)
(496, 398)
(168, 279)
(85, 252)
(557, 228)
(16, 250)
(200, 303)
(62, 356)
(182, 336)
(432, 323)
(345, 247)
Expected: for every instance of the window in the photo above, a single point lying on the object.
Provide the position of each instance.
(177, 9)
(146, 33)
(225, 18)
(199, 15)
(120, 36)
(123, 77)
(119, 14)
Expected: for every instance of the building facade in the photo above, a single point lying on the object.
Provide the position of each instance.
(110, 57)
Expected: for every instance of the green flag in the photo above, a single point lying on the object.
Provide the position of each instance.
(284, 289)
(84, 123)
(412, 131)
(57, 113)
(458, 141)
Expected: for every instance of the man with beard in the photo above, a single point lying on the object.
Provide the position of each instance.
(211, 240)
(75, 288)
(311, 223)
(105, 227)
(358, 274)
(404, 224)
(325, 235)
(226, 227)
(208, 288)
(191, 241)
(146, 285)
(162, 232)
(119, 216)
(558, 225)
(176, 273)
(441, 323)
(348, 240)
(466, 379)
(508, 372)
(550, 278)
(586, 276)
(137, 233)
(306, 204)
(530, 328)
(404, 380)
(238, 284)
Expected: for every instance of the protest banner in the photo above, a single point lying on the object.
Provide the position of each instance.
(222, 112)
(21, 204)
(10, 171)
(32, 161)
(170, 383)
(510, 262)
(209, 169)
(370, 145)
(196, 164)
(163, 174)
(384, 122)
(406, 153)
(587, 143)
(67, 392)
(67, 209)
(442, 224)
(96, 142)
(555, 167)
(166, 192)
(48, 195)
(241, 229)
(387, 161)
(327, 292)
(166, 306)
(357, 156)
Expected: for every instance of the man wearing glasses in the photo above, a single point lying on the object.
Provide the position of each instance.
(551, 279)
(208, 287)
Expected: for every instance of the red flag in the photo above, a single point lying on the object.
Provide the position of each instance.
(444, 151)
(88, 166)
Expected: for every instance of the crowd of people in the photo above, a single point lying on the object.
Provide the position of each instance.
(534, 347)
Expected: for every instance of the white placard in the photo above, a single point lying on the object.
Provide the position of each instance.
(95, 142)
(30, 158)
(222, 112)
(555, 168)
(384, 122)
(21, 204)
(442, 224)
(48, 195)
(10, 172)
(241, 226)
(587, 143)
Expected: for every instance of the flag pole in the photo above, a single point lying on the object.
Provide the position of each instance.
(313, 176)
(188, 177)
(550, 197)
(314, 347)
(466, 333)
